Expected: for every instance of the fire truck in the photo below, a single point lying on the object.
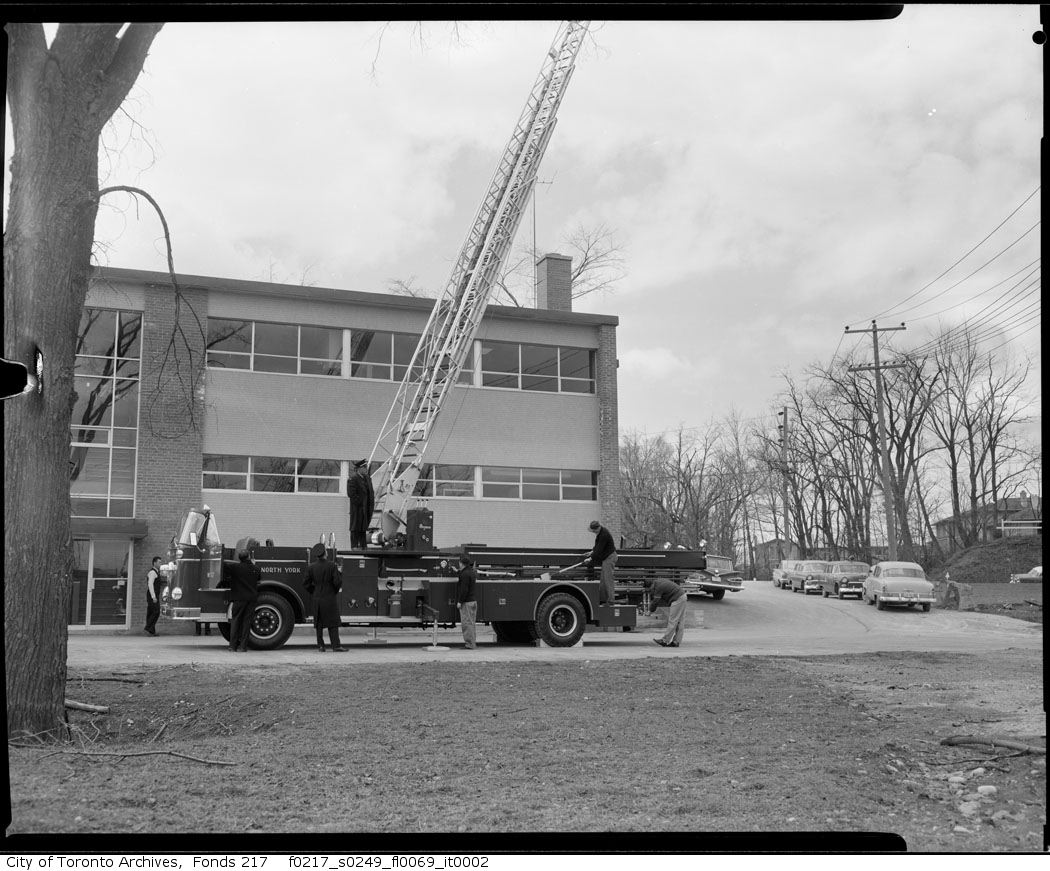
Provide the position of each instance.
(524, 593)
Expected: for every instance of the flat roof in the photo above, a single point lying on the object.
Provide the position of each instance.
(332, 294)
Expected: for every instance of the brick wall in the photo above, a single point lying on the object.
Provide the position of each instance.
(169, 462)
(554, 283)
(609, 489)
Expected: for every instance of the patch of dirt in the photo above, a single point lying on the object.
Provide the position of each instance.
(740, 744)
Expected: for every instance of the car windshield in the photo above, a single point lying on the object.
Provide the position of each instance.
(850, 568)
(903, 572)
(193, 524)
(812, 567)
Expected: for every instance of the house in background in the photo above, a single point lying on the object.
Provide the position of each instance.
(1020, 515)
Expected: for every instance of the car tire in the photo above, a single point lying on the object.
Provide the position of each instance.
(272, 622)
(926, 607)
(879, 605)
(825, 594)
(718, 594)
(867, 601)
(838, 593)
(560, 619)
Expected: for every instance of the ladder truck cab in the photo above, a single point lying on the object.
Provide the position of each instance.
(522, 592)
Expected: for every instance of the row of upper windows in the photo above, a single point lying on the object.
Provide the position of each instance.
(379, 354)
(289, 475)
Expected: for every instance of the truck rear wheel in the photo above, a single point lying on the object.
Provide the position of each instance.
(272, 622)
(560, 620)
(514, 631)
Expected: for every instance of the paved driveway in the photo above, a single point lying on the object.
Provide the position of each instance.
(761, 620)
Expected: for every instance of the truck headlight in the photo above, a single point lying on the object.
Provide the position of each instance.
(176, 594)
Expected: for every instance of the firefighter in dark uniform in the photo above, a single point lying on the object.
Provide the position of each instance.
(323, 583)
(362, 503)
(244, 589)
(603, 555)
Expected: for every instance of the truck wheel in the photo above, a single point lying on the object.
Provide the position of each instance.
(718, 594)
(224, 630)
(560, 620)
(272, 622)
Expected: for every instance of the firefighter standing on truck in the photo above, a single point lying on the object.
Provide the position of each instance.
(604, 555)
(362, 503)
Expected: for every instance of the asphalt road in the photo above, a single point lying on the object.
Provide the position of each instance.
(760, 620)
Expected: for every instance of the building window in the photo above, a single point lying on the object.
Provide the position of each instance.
(537, 367)
(267, 347)
(551, 485)
(449, 481)
(104, 431)
(225, 473)
(229, 344)
(270, 474)
(380, 354)
(317, 476)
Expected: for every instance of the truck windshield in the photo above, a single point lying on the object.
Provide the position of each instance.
(194, 523)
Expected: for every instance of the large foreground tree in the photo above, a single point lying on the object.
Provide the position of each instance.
(59, 98)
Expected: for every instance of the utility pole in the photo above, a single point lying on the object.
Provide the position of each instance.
(887, 492)
(783, 427)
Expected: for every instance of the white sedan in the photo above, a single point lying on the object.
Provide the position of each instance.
(898, 583)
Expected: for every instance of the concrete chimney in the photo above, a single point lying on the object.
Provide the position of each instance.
(554, 283)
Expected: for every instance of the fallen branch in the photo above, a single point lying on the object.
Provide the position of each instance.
(137, 680)
(954, 740)
(1038, 605)
(160, 732)
(122, 756)
(82, 706)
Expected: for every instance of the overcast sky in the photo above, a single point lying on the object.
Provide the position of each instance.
(769, 182)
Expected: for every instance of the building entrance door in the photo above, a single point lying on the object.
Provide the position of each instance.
(101, 586)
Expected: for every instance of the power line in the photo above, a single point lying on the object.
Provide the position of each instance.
(986, 290)
(961, 259)
(971, 275)
(962, 328)
(960, 340)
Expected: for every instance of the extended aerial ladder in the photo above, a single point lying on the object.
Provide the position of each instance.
(453, 324)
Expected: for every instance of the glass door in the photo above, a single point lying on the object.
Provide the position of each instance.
(101, 585)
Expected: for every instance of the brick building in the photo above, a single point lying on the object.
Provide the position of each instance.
(296, 384)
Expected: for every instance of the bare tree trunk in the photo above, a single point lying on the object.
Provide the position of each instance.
(59, 99)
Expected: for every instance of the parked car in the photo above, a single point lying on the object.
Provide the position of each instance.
(1033, 576)
(805, 576)
(844, 578)
(898, 583)
(715, 580)
(780, 572)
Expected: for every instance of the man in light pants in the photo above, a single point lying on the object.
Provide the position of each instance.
(665, 592)
(468, 604)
